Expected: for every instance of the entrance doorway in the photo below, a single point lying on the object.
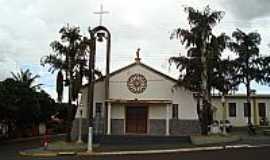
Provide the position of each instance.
(136, 119)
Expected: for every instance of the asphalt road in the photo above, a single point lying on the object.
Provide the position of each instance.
(9, 152)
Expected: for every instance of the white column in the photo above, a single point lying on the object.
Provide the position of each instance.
(90, 139)
(109, 122)
(80, 127)
(168, 119)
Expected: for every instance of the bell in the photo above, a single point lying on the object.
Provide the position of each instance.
(100, 36)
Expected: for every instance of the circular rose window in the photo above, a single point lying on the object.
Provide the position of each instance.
(137, 83)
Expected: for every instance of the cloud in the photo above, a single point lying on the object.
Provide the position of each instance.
(7, 66)
(247, 9)
(28, 26)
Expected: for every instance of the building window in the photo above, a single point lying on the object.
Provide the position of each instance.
(232, 109)
(262, 109)
(175, 111)
(98, 108)
(247, 109)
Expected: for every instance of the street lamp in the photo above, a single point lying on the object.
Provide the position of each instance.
(224, 112)
(98, 33)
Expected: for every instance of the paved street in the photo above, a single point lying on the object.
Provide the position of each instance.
(8, 152)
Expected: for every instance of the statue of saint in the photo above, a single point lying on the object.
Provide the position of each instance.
(138, 53)
(138, 59)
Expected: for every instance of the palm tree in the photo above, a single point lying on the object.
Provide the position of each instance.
(71, 57)
(249, 64)
(203, 54)
(26, 78)
(64, 60)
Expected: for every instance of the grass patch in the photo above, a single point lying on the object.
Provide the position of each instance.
(214, 139)
(66, 146)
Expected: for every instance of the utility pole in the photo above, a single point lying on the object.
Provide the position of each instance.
(90, 93)
(98, 33)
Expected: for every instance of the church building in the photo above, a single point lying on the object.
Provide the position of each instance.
(142, 101)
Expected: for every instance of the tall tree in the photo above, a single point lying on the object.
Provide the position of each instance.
(24, 105)
(248, 63)
(26, 78)
(203, 54)
(64, 60)
(71, 57)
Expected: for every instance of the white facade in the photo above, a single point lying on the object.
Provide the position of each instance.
(159, 97)
(158, 88)
(240, 119)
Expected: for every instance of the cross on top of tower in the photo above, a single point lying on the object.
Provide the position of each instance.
(101, 12)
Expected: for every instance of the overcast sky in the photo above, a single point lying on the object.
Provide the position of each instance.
(28, 26)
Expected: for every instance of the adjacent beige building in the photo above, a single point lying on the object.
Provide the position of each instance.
(236, 109)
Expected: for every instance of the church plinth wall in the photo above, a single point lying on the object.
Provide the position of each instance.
(184, 127)
(118, 127)
(157, 126)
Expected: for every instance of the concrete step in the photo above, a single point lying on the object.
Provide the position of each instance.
(141, 140)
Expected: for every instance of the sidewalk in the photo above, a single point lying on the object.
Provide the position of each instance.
(205, 143)
(139, 152)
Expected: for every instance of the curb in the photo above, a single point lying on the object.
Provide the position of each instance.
(172, 150)
(47, 154)
(73, 153)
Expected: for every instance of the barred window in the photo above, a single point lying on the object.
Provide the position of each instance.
(232, 109)
(262, 109)
(98, 108)
(175, 111)
(247, 109)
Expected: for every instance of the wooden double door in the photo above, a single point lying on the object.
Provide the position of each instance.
(136, 119)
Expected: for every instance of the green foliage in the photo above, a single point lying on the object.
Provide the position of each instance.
(70, 55)
(249, 65)
(200, 32)
(24, 105)
(202, 68)
(248, 62)
(26, 78)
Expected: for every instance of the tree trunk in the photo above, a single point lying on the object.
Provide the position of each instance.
(200, 113)
(69, 109)
(204, 89)
(248, 102)
(199, 108)
(210, 109)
